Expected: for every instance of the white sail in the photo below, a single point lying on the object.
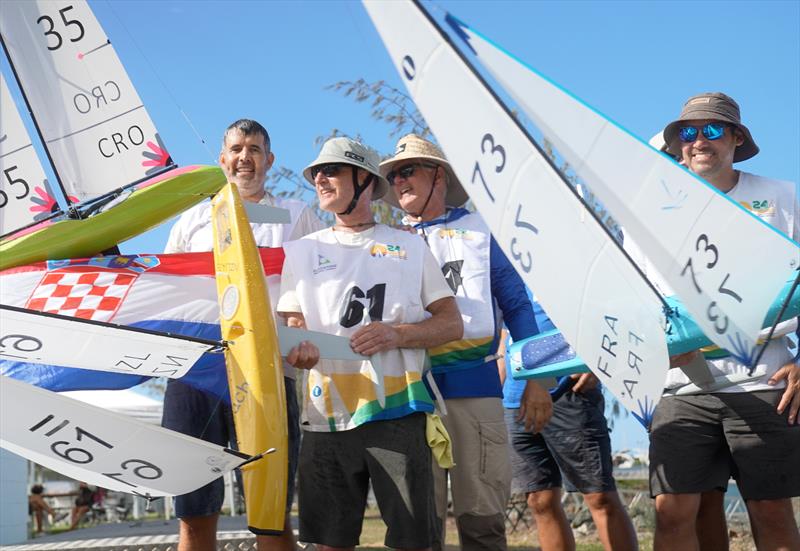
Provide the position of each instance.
(94, 125)
(29, 336)
(104, 448)
(726, 264)
(584, 282)
(24, 192)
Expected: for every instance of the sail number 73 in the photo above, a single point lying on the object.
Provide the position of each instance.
(710, 252)
(497, 153)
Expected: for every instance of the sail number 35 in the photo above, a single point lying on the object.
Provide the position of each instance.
(50, 28)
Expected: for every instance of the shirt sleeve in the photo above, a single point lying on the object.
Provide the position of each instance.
(176, 242)
(288, 301)
(434, 285)
(509, 291)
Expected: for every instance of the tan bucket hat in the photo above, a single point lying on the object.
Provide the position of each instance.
(715, 106)
(351, 152)
(412, 147)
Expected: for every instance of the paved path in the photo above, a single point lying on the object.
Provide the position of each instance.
(150, 535)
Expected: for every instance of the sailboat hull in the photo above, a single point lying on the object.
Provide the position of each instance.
(549, 355)
(253, 361)
(147, 206)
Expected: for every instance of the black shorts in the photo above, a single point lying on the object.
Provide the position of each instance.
(334, 476)
(698, 442)
(196, 413)
(574, 442)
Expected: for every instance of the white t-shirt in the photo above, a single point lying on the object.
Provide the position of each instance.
(341, 281)
(193, 233)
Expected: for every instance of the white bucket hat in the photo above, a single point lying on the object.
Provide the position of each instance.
(411, 147)
(351, 152)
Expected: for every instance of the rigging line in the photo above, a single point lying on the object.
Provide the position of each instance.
(163, 84)
(446, 37)
(10, 235)
(72, 210)
(775, 324)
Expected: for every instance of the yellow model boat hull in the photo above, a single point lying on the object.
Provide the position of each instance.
(255, 370)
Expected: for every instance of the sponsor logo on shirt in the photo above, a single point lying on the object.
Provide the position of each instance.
(455, 234)
(380, 250)
(760, 208)
(323, 265)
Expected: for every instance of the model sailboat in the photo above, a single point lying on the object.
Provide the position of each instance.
(97, 135)
(616, 321)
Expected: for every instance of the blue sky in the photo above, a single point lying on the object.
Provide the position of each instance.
(636, 62)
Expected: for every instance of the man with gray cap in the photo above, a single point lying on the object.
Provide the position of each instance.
(364, 420)
(465, 371)
(748, 430)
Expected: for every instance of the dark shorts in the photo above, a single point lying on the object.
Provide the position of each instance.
(202, 415)
(698, 442)
(336, 469)
(574, 443)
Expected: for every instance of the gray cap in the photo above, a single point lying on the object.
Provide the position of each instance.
(351, 152)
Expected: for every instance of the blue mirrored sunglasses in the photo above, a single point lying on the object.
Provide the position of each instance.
(712, 131)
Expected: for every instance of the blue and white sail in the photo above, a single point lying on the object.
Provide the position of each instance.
(726, 264)
(592, 292)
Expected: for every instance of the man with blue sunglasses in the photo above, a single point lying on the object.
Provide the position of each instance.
(749, 430)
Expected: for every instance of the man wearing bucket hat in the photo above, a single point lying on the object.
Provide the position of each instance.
(751, 429)
(465, 372)
(364, 420)
(245, 158)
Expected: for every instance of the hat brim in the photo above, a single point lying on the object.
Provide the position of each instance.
(455, 196)
(380, 187)
(743, 152)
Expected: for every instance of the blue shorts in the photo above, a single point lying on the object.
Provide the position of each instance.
(193, 412)
(574, 443)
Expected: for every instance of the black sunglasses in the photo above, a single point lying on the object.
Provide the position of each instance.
(407, 171)
(329, 170)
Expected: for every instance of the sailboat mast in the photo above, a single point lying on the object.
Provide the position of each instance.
(72, 211)
(667, 309)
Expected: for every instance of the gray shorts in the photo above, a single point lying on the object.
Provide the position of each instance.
(335, 472)
(698, 442)
(574, 442)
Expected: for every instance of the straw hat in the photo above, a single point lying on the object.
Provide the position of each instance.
(413, 147)
(714, 106)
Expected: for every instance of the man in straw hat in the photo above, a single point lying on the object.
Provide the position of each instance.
(364, 420)
(751, 429)
(425, 187)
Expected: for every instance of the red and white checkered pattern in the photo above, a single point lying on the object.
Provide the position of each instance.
(88, 295)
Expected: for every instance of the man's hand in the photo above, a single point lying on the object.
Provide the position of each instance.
(375, 337)
(535, 407)
(583, 381)
(303, 356)
(791, 396)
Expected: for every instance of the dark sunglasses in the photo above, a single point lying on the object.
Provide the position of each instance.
(329, 170)
(712, 131)
(407, 171)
